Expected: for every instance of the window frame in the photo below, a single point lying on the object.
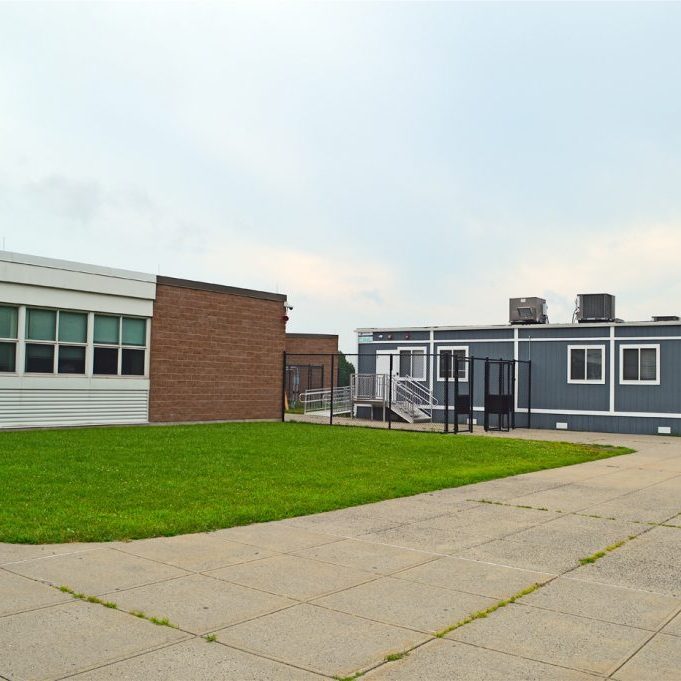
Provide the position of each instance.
(423, 349)
(56, 343)
(120, 346)
(438, 375)
(639, 347)
(13, 341)
(21, 341)
(585, 380)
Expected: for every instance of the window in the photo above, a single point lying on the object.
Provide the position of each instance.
(119, 346)
(8, 336)
(586, 364)
(55, 341)
(412, 363)
(640, 364)
(446, 360)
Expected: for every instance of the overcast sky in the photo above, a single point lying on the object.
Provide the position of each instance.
(383, 164)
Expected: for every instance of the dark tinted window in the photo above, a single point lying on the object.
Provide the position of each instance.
(71, 359)
(577, 365)
(594, 367)
(132, 363)
(7, 356)
(39, 358)
(105, 361)
(630, 362)
(648, 364)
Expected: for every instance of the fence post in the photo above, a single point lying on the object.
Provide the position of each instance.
(456, 394)
(333, 357)
(486, 392)
(447, 372)
(529, 394)
(283, 389)
(390, 393)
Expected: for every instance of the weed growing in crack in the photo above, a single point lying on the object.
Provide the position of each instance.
(480, 614)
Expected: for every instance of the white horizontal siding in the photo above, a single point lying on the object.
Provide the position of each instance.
(55, 407)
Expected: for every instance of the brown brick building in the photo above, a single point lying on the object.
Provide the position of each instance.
(216, 352)
(84, 344)
(309, 362)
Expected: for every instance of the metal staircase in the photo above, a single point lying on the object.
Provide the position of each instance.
(409, 399)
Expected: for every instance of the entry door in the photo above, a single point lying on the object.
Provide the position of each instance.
(383, 362)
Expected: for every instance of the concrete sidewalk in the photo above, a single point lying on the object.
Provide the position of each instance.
(334, 594)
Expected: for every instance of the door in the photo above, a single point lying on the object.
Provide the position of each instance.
(383, 371)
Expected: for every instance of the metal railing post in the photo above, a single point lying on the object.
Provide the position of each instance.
(486, 420)
(333, 357)
(447, 372)
(390, 393)
(456, 394)
(283, 390)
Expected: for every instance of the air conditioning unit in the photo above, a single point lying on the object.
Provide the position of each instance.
(666, 318)
(528, 311)
(595, 307)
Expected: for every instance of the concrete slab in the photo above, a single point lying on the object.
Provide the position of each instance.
(525, 555)
(346, 522)
(276, 536)
(363, 555)
(195, 552)
(473, 577)
(64, 639)
(14, 553)
(444, 660)
(200, 604)
(674, 627)
(18, 594)
(293, 576)
(96, 572)
(320, 640)
(407, 604)
(554, 638)
(618, 605)
(651, 562)
(197, 660)
(649, 505)
(584, 535)
(567, 498)
(659, 660)
(423, 537)
(491, 520)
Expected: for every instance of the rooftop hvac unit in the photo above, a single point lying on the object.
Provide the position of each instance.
(528, 311)
(667, 318)
(595, 307)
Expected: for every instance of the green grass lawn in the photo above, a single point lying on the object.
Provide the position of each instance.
(123, 483)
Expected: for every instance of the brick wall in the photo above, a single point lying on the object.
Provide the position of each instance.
(303, 349)
(215, 355)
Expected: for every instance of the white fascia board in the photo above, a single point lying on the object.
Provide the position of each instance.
(58, 275)
(493, 327)
(65, 382)
(65, 299)
(53, 263)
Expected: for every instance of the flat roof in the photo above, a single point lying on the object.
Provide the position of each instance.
(490, 327)
(53, 263)
(329, 336)
(219, 288)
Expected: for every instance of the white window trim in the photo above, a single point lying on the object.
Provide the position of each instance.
(21, 341)
(411, 349)
(439, 359)
(645, 346)
(585, 381)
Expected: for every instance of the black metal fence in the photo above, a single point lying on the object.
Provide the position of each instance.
(447, 391)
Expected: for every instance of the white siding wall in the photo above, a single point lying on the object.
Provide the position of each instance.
(61, 400)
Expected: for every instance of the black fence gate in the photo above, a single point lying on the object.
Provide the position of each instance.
(499, 394)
